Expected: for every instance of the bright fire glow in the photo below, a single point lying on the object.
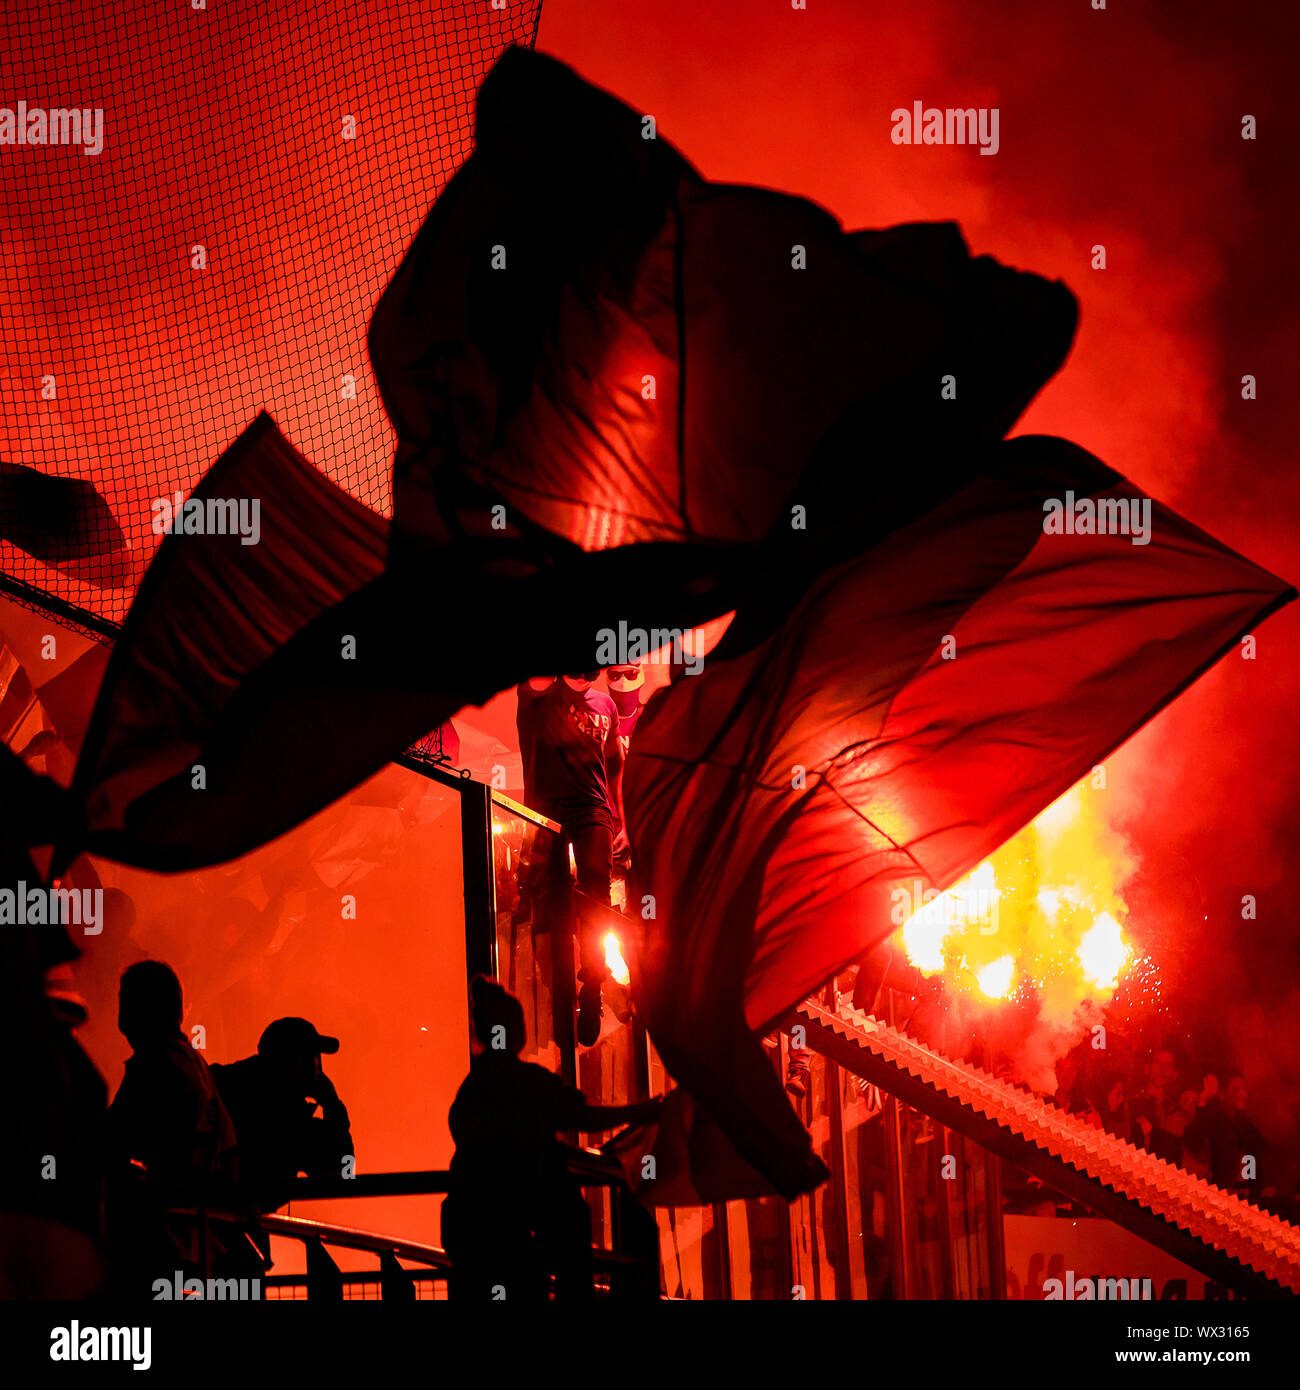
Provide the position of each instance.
(995, 977)
(614, 959)
(970, 903)
(1041, 918)
(1102, 951)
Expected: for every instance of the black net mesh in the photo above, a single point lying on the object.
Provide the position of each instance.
(263, 166)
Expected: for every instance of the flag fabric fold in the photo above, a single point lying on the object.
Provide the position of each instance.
(210, 611)
(625, 351)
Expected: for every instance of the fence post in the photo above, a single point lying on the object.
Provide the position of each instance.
(395, 1283)
(479, 877)
(324, 1282)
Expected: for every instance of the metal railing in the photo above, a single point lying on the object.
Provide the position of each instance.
(618, 1272)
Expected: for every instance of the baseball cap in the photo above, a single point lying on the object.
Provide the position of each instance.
(293, 1036)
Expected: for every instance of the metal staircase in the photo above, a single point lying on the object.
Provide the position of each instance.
(1230, 1240)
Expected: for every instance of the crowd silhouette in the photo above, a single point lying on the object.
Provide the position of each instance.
(180, 1134)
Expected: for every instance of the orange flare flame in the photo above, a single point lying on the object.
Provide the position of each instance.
(614, 959)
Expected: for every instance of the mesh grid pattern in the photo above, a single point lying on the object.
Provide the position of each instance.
(123, 361)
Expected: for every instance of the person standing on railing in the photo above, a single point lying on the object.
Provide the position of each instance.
(514, 1213)
(573, 773)
(626, 686)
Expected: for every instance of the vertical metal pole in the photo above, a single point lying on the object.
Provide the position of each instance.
(722, 1232)
(784, 1248)
(840, 1236)
(947, 1273)
(993, 1195)
(479, 874)
(894, 1174)
(639, 1042)
(897, 1216)
(395, 1284)
(993, 1224)
(563, 993)
(324, 1281)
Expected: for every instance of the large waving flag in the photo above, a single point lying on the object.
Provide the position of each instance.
(920, 705)
(627, 396)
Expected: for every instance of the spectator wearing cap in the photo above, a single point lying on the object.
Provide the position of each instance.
(273, 1098)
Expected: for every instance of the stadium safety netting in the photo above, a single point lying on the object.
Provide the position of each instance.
(262, 166)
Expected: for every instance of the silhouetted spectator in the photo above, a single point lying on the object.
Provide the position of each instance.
(1109, 1109)
(626, 687)
(1235, 1144)
(1183, 1114)
(273, 1097)
(168, 1131)
(515, 1213)
(80, 1188)
(1071, 1091)
(1153, 1106)
(1196, 1156)
(167, 1114)
(573, 773)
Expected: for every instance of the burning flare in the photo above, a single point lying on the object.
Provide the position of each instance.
(1103, 953)
(995, 978)
(1043, 915)
(614, 959)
